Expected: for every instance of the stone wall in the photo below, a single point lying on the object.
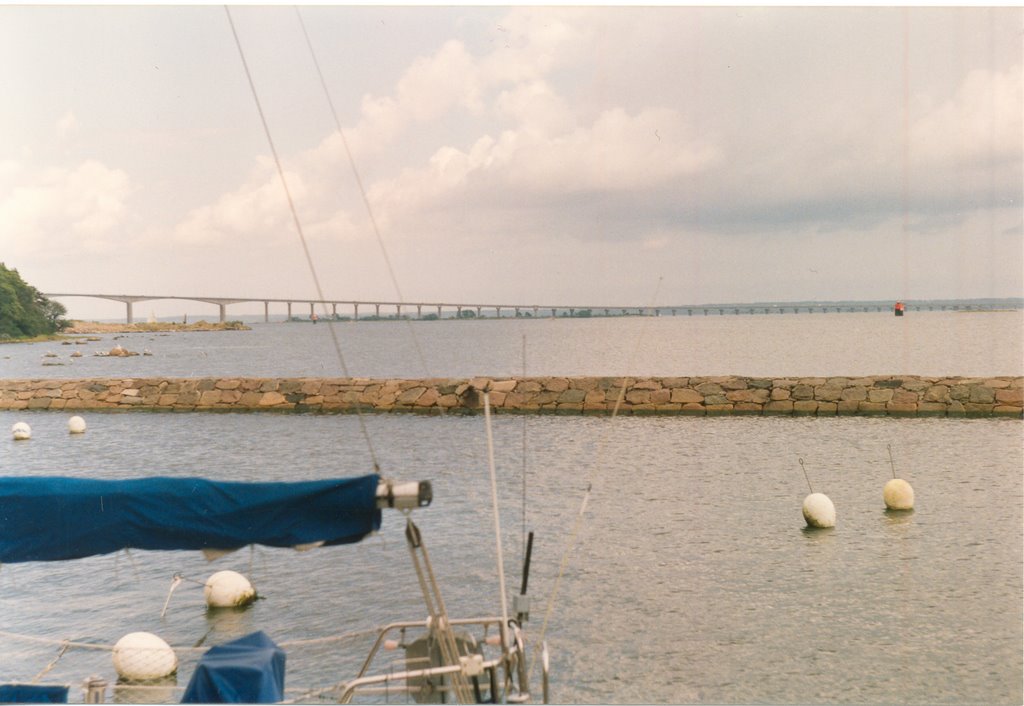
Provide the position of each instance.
(894, 396)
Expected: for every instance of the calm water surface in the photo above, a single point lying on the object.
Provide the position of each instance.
(928, 343)
(692, 579)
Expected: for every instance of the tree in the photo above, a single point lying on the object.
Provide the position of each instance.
(24, 311)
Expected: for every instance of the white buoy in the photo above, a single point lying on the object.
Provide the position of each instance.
(140, 656)
(228, 589)
(21, 431)
(898, 495)
(76, 425)
(819, 511)
(817, 508)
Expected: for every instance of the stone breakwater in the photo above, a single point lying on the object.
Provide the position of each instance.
(885, 395)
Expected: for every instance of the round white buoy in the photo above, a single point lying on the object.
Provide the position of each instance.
(140, 656)
(228, 589)
(76, 425)
(21, 431)
(819, 511)
(898, 495)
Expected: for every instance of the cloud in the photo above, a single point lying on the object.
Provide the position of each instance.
(50, 212)
(256, 210)
(980, 124)
(591, 144)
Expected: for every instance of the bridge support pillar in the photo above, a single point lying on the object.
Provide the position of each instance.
(419, 311)
(398, 311)
(129, 315)
(478, 309)
(438, 311)
(223, 312)
(266, 312)
(334, 310)
(289, 311)
(376, 308)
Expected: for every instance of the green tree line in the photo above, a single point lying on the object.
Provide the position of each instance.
(24, 311)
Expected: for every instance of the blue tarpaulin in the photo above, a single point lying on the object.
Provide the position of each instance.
(55, 518)
(33, 694)
(249, 670)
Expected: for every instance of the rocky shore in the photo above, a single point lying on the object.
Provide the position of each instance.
(80, 327)
(884, 395)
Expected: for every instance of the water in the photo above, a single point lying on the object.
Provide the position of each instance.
(692, 579)
(929, 343)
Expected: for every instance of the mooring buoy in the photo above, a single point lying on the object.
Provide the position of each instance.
(819, 511)
(228, 589)
(898, 495)
(141, 656)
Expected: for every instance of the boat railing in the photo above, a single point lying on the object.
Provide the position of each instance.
(390, 628)
(511, 661)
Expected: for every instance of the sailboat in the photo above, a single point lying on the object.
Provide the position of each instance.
(474, 659)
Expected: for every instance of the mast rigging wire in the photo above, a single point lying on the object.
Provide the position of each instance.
(298, 228)
(362, 191)
(449, 436)
(577, 525)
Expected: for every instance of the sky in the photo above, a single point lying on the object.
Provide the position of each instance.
(574, 155)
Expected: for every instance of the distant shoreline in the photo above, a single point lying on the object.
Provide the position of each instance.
(80, 327)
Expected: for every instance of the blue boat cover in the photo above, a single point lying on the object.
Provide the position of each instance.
(56, 518)
(249, 670)
(33, 694)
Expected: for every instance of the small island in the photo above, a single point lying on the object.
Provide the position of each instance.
(92, 327)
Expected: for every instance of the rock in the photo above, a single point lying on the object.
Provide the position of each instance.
(1012, 396)
(883, 395)
(854, 394)
(982, 395)
(269, 399)
(828, 392)
(802, 392)
(685, 395)
(710, 388)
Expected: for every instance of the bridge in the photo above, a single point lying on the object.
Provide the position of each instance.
(438, 309)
